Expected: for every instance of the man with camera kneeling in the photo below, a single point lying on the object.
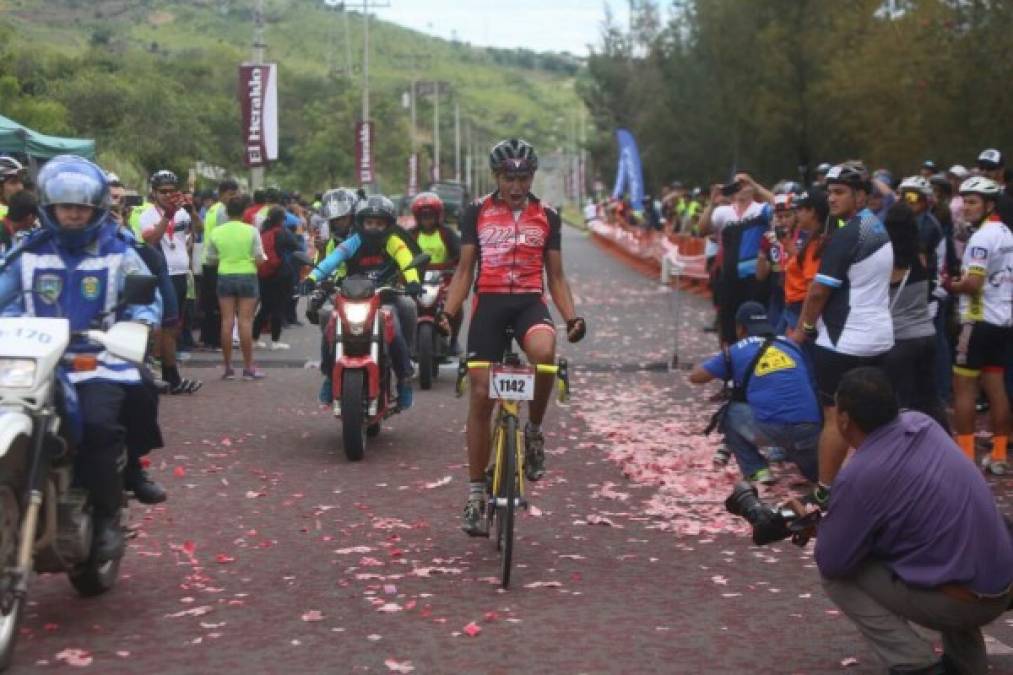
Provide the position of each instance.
(911, 534)
(771, 396)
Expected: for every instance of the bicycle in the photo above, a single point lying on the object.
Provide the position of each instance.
(510, 382)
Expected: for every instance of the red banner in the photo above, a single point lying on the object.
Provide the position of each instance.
(364, 152)
(258, 99)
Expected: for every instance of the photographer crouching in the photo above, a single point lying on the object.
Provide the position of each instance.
(911, 534)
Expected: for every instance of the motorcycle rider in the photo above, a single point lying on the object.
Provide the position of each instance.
(73, 268)
(378, 250)
(442, 244)
(337, 209)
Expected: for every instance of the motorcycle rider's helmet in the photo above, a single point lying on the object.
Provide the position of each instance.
(69, 179)
(337, 203)
(374, 206)
(163, 178)
(428, 201)
(513, 155)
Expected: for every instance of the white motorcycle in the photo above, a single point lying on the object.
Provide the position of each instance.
(46, 522)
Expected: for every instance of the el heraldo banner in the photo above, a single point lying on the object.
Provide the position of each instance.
(258, 98)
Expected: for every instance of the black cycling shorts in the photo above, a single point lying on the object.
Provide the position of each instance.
(981, 346)
(493, 312)
(830, 367)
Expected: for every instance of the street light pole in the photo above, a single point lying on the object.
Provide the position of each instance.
(436, 133)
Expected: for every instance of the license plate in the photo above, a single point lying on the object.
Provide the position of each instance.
(513, 384)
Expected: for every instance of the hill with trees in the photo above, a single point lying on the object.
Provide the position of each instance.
(155, 84)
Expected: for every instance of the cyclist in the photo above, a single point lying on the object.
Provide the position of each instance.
(376, 250)
(512, 237)
(986, 292)
(442, 244)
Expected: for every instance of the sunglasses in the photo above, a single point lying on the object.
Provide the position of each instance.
(168, 191)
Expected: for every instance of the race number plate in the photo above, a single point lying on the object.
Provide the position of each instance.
(514, 384)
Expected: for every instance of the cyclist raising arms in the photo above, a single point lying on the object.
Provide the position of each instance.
(512, 237)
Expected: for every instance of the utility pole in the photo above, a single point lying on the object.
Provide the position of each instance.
(457, 141)
(257, 172)
(436, 134)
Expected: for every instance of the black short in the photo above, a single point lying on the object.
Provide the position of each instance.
(493, 312)
(830, 367)
(179, 286)
(981, 346)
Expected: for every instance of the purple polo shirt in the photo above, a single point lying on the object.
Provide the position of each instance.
(910, 498)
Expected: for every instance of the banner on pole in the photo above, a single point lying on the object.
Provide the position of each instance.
(258, 99)
(364, 152)
(413, 174)
(629, 175)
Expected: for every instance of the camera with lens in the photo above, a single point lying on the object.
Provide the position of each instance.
(770, 524)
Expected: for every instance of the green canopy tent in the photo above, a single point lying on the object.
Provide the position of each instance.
(15, 138)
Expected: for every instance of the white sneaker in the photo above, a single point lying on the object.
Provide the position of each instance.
(279, 346)
(261, 344)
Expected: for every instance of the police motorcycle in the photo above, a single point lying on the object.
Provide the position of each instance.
(432, 347)
(359, 332)
(45, 521)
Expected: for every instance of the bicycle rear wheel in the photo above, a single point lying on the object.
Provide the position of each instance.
(507, 497)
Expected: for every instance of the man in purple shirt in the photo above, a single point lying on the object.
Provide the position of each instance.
(912, 533)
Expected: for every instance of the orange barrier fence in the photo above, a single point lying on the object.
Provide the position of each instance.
(675, 258)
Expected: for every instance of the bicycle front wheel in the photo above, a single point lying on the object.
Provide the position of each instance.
(507, 498)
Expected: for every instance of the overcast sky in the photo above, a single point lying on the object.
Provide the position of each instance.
(540, 25)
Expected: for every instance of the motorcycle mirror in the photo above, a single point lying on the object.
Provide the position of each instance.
(419, 260)
(139, 289)
(127, 340)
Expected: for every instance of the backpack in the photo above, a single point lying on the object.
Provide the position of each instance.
(270, 267)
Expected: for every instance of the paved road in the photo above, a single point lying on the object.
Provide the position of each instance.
(275, 553)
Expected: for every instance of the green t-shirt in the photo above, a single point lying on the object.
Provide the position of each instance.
(214, 215)
(3, 210)
(135, 218)
(434, 246)
(236, 247)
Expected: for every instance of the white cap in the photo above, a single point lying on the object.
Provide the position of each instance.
(990, 156)
(959, 171)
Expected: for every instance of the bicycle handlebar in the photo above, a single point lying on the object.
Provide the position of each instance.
(560, 369)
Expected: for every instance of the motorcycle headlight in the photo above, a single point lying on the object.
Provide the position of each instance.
(356, 314)
(17, 372)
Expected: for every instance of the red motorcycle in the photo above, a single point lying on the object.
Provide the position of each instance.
(360, 332)
(431, 346)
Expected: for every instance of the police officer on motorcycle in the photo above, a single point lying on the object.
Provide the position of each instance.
(75, 267)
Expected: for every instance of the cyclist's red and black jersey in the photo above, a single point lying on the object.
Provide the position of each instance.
(511, 247)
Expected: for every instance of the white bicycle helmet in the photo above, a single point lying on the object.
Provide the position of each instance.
(916, 184)
(979, 185)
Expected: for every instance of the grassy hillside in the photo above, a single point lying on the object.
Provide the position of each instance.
(305, 37)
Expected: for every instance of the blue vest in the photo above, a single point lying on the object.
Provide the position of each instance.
(79, 285)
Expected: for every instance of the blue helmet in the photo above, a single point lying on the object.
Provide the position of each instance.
(69, 179)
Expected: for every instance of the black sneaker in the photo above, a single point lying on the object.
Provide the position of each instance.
(534, 453)
(473, 523)
(109, 543)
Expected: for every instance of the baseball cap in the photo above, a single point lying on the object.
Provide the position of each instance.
(753, 316)
(930, 165)
(809, 199)
(990, 158)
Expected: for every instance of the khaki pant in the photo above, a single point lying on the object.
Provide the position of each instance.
(881, 605)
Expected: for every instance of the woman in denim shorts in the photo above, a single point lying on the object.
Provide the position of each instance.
(236, 248)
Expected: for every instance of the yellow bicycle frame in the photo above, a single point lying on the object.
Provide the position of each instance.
(505, 408)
